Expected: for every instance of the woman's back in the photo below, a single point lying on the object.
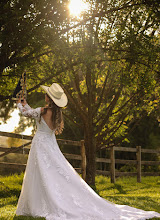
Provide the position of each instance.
(48, 118)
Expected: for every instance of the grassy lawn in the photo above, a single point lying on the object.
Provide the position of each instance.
(145, 195)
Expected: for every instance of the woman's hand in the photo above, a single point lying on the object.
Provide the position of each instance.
(24, 102)
(19, 100)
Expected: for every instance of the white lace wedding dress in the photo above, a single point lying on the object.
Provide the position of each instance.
(53, 189)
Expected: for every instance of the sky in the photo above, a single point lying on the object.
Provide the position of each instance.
(12, 123)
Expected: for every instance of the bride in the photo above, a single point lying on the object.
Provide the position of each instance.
(51, 187)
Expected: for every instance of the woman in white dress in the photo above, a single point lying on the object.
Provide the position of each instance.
(51, 187)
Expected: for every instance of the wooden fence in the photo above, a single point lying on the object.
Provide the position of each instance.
(21, 150)
(112, 161)
(138, 163)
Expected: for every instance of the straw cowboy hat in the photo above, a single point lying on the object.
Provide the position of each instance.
(56, 93)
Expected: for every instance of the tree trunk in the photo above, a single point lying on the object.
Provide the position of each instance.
(90, 147)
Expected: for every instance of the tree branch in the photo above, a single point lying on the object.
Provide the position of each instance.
(102, 93)
(109, 111)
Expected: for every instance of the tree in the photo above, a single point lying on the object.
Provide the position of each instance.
(26, 26)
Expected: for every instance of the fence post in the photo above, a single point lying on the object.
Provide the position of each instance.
(83, 162)
(138, 164)
(112, 157)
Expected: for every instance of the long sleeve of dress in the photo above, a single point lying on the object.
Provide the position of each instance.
(28, 111)
(27, 107)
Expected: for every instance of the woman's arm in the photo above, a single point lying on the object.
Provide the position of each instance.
(27, 111)
(25, 105)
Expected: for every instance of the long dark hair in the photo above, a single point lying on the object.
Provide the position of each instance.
(57, 117)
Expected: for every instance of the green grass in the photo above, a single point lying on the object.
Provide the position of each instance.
(145, 195)
(126, 191)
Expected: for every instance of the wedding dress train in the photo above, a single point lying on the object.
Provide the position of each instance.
(53, 189)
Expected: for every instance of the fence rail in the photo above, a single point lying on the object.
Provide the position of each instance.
(112, 161)
(138, 162)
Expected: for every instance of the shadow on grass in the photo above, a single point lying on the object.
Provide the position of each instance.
(116, 186)
(9, 193)
(119, 188)
(154, 219)
(13, 202)
(5, 191)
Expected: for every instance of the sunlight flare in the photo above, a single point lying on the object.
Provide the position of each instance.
(77, 6)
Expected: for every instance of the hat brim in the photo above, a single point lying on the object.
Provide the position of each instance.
(62, 102)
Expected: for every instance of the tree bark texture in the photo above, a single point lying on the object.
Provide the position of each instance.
(90, 147)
